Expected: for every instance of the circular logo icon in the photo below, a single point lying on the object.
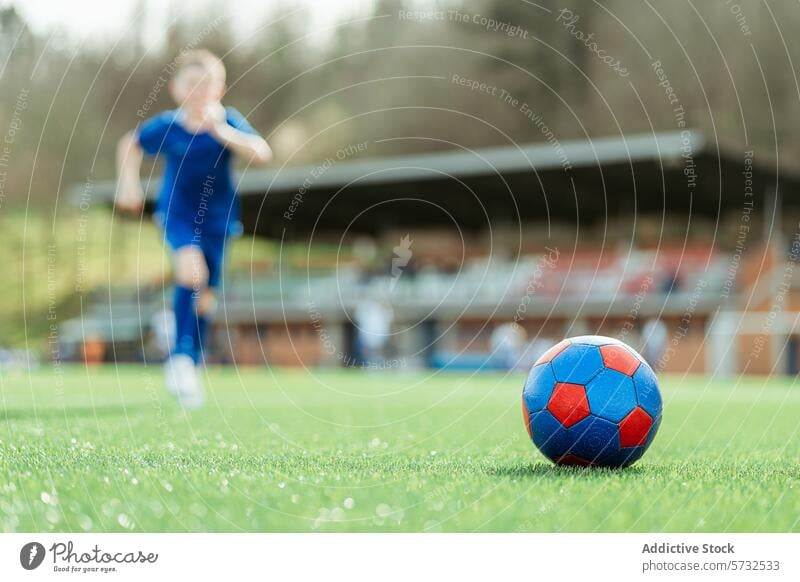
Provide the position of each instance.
(31, 555)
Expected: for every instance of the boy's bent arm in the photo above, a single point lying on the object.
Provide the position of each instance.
(253, 148)
(130, 196)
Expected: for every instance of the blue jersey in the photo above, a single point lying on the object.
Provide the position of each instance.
(197, 192)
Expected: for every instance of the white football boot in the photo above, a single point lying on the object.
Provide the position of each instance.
(183, 381)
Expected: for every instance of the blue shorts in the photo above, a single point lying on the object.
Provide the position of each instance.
(179, 235)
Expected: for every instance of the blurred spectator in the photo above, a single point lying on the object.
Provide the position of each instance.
(17, 359)
(654, 340)
(374, 318)
(507, 343)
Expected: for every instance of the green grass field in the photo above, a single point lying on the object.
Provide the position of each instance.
(279, 450)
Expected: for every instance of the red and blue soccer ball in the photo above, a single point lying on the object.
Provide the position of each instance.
(592, 400)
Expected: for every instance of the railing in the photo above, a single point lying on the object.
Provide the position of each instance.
(543, 284)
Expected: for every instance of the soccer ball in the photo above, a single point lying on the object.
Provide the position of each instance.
(592, 400)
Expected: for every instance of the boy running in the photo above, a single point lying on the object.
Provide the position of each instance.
(197, 207)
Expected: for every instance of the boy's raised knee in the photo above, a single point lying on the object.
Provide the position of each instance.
(190, 268)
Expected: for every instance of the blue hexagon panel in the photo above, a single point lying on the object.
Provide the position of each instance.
(578, 364)
(594, 439)
(550, 436)
(647, 391)
(611, 395)
(538, 387)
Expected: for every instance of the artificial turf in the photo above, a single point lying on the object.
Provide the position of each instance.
(106, 449)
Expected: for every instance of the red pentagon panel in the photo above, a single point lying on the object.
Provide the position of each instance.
(552, 352)
(568, 403)
(526, 417)
(619, 359)
(573, 460)
(633, 429)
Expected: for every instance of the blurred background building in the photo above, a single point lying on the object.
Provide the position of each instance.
(440, 251)
(455, 167)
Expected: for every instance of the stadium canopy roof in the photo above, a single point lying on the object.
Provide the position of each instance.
(580, 181)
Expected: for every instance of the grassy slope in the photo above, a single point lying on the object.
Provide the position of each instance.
(283, 450)
(49, 263)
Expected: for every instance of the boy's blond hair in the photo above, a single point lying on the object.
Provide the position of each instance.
(202, 58)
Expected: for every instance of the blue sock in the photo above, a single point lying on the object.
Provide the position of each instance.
(200, 338)
(185, 322)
